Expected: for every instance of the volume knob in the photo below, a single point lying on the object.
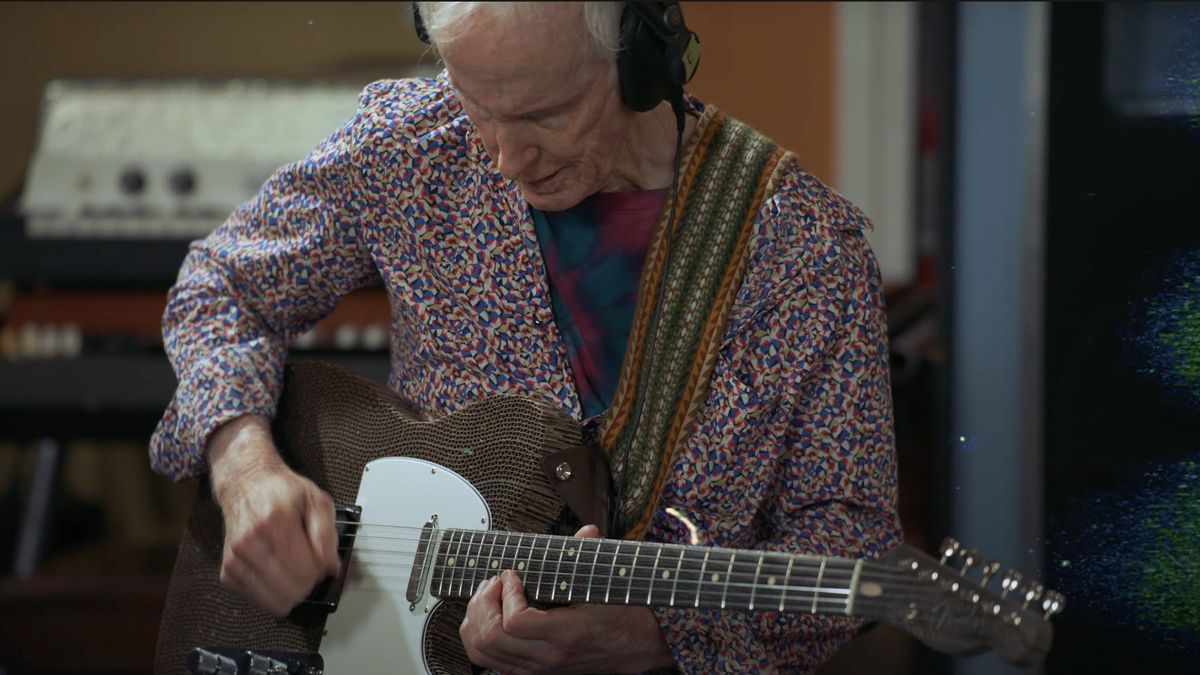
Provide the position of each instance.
(132, 181)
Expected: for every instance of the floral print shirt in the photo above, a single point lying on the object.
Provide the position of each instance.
(793, 450)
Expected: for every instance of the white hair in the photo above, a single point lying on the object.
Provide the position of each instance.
(445, 21)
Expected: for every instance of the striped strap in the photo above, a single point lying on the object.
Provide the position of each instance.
(729, 170)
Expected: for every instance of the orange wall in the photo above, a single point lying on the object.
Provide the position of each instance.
(770, 64)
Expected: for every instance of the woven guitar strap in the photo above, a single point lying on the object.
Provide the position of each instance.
(729, 169)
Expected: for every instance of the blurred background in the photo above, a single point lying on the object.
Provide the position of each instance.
(1032, 170)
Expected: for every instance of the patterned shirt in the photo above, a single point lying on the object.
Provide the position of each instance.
(793, 449)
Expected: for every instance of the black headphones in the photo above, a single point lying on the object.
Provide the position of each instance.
(658, 53)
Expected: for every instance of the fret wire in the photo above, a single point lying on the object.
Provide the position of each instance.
(479, 542)
(487, 552)
(817, 589)
(438, 561)
(473, 550)
(499, 566)
(786, 580)
(703, 567)
(853, 588)
(529, 558)
(462, 534)
(541, 572)
(612, 566)
(757, 573)
(653, 575)
(464, 553)
(592, 574)
(575, 568)
(637, 549)
(557, 571)
(728, 574)
(678, 567)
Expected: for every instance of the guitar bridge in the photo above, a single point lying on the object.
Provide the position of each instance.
(326, 594)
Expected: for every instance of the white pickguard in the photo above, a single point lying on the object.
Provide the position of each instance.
(373, 629)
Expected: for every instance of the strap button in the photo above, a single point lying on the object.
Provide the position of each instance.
(563, 471)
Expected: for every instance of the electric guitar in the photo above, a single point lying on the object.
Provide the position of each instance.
(440, 506)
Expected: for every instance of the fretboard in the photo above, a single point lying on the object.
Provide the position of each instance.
(560, 569)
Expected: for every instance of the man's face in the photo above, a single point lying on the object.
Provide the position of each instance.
(549, 116)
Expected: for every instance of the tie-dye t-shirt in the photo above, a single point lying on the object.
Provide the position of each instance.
(593, 254)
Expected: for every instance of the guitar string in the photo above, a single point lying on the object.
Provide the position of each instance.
(665, 545)
(546, 539)
(778, 559)
(735, 601)
(771, 567)
(832, 576)
(698, 586)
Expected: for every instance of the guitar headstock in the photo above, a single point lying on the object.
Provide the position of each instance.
(936, 602)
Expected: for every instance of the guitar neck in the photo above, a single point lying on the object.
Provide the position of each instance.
(560, 569)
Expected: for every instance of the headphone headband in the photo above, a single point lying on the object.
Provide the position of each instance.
(658, 53)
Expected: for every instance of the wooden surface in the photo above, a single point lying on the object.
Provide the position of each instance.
(64, 624)
(770, 64)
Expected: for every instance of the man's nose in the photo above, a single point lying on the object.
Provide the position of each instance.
(514, 153)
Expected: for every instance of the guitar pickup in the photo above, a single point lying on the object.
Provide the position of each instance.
(326, 594)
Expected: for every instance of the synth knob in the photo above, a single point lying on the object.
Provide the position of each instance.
(132, 181)
(949, 547)
(969, 557)
(1009, 582)
(1053, 602)
(182, 182)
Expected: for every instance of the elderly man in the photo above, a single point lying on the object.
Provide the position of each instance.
(516, 210)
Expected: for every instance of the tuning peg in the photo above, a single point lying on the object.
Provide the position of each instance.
(969, 557)
(988, 571)
(1032, 592)
(949, 547)
(1052, 603)
(1009, 582)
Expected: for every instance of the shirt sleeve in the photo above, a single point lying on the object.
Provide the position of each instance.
(829, 438)
(270, 272)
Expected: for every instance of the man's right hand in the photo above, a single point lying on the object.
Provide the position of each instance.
(280, 538)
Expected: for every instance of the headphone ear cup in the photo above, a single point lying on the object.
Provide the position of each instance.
(641, 64)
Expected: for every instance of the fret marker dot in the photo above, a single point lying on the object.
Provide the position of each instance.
(495, 564)
(716, 577)
(520, 565)
(770, 581)
(450, 562)
(562, 585)
(571, 552)
(471, 562)
(666, 574)
(621, 572)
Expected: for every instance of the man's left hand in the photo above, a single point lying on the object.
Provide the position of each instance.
(501, 631)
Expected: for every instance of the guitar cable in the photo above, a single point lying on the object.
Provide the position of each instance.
(652, 335)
